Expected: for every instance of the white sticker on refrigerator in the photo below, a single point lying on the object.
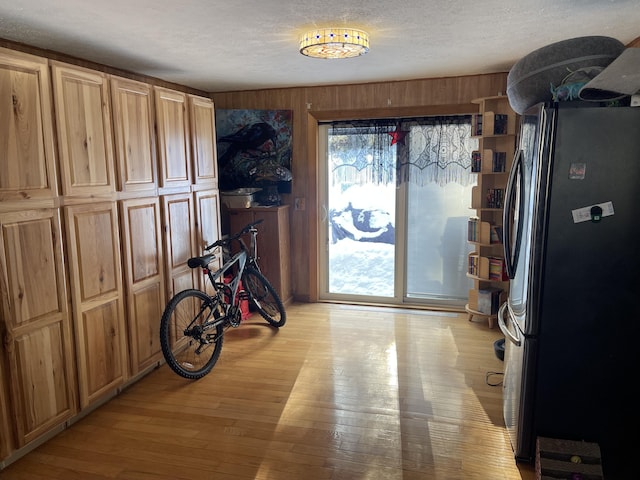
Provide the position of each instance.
(584, 214)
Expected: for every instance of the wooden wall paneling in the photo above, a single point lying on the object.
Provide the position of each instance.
(172, 129)
(203, 141)
(35, 324)
(85, 139)
(97, 298)
(133, 126)
(144, 279)
(179, 241)
(437, 96)
(27, 154)
(207, 203)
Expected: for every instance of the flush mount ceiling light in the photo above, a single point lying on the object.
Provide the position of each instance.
(334, 43)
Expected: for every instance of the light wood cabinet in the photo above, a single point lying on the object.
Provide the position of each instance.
(273, 243)
(144, 279)
(173, 139)
(35, 325)
(203, 142)
(27, 153)
(133, 128)
(85, 139)
(179, 241)
(97, 298)
(129, 171)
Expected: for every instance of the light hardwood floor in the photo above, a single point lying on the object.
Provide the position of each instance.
(340, 392)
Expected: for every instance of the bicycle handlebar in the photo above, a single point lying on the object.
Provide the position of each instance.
(228, 240)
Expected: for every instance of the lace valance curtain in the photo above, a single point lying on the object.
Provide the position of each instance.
(417, 150)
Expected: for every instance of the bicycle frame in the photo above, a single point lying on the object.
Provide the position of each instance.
(241, 259)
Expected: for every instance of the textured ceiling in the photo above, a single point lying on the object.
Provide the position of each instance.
(219, 46)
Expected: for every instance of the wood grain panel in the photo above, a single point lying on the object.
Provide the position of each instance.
(147, 304)
(173, 138)
(35, 323)
(85, 140)
(133, 119)
(103, 368)
(93, 241)
(179, 238)
(203, 141)
(27, 153)
(207, 203)
(144, 278)
(96, 249)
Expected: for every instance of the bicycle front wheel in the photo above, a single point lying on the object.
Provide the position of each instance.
(264, 297)
(190, 342)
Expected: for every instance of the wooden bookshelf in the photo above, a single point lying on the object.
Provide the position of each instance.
(495, 127)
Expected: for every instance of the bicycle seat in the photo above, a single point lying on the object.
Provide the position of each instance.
(202, 262)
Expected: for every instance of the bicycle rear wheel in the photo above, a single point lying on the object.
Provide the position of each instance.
(189, 347)
(264, 297)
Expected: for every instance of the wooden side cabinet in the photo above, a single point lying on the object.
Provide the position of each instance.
(273, 243)
(39, 388)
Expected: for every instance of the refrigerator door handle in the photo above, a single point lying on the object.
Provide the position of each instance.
(502, 311)
(515, 178)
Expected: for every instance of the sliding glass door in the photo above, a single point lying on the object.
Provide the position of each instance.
(396, 203)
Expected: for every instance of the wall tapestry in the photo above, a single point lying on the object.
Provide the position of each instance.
(254, 149)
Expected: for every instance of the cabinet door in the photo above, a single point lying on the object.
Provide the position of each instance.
(27, 153)
(144, 279)
(96, 285)
(85, 141)
(134, 136)
(207, 226)
(179, 228)
(35, 324)
(203, 141)
(173, 138)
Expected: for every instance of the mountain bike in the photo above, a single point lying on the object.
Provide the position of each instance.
(194, 322)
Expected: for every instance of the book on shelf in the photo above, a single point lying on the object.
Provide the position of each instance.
(497, 269)
(476, 161)
(495, 197)
(496, 233)
(473, 267)
(472, 229)
(489, 300)
(500, 123)
(476, 125)
(499, 162)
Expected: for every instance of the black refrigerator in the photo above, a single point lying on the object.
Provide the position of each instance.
(572, 251)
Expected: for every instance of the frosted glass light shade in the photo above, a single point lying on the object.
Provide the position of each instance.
(334, 43)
